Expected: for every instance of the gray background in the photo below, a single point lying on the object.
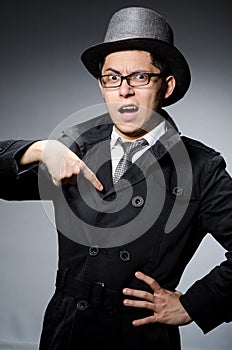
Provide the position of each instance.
(42, 82)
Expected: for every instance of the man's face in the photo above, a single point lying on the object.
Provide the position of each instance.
(131, 108)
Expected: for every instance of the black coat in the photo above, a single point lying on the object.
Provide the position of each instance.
(175, 194)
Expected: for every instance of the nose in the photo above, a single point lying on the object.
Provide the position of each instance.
(125, 89)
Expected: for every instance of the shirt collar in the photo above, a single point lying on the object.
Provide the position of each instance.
(151, 137)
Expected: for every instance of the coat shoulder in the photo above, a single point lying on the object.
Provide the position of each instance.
(204, 160)
(199, 150)
(198, 145)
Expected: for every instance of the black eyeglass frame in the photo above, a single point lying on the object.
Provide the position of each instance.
(128, 77)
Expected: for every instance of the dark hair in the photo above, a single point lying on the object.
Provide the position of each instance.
(155, 60)
(164, 70)
(159, 63)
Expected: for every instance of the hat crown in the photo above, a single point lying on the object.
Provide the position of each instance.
(137, 23)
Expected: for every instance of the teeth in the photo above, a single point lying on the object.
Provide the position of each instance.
(128, 109)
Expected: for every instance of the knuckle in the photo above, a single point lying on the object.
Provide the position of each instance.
(146, 295)
(93, 177)
(77, 170)
(147, 304)
(69, 174)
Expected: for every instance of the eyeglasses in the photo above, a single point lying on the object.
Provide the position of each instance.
(134, 79)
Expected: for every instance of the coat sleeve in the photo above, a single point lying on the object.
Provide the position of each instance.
(209, 300)
(19, 183)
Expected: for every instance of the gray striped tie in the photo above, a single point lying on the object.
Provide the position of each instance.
(130, 148)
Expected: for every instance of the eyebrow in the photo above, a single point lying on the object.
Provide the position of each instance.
(112, 70)
(117, 72)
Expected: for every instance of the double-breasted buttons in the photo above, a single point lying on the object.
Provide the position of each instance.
(177, 191)
(137, 201)
(125, 255)
(82, 305)
(94, 250)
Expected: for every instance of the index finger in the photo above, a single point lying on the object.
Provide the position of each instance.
(91, 177)
(148, 280)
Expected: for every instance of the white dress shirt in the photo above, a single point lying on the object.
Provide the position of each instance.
(151, 137)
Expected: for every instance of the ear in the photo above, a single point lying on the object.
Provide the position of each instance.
(171, 83)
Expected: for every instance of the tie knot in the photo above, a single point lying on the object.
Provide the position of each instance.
(130, 148)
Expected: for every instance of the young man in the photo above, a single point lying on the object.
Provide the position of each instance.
(133, 200)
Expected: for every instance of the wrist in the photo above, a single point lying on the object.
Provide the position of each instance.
(33, 153)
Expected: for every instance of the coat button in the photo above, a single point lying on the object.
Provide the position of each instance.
(93, 251)
(137, 201)
(82, 305)
(125, 255)
(177, 191)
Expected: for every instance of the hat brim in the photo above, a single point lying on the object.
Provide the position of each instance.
(168, 53)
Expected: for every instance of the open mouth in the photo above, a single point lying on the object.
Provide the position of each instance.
(128, 109)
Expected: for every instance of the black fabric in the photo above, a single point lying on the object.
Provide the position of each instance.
(161, 255)
(72, 324)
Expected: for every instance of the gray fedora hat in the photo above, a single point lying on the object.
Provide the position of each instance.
(139, 28)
